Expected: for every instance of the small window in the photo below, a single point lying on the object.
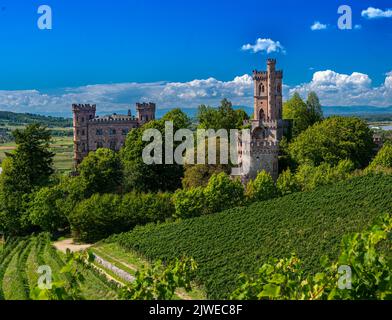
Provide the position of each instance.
(99, 132)
(83, 133)
(125, 132)
(112, 132)
(99, 145)
(113, 145)
(82, 119)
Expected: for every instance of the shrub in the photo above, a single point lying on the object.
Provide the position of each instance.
(262, 188)
(102, 215)
(383, 158)
(287, 183)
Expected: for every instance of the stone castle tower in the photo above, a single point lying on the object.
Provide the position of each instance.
(92, 132)
(267, 127)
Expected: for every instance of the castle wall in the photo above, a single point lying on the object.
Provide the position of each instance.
(92, 133)
(110, 135)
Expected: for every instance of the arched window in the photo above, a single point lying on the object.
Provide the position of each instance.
(261, 115)
(261, 89)
(279, 88)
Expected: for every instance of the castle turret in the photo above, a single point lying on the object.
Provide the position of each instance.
(145, 112)
(82, 114)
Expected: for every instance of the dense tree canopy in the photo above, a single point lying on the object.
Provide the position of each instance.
(334, 139)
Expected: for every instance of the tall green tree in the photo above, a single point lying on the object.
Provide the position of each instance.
(314, 108)
(28, 168)
(303, 114)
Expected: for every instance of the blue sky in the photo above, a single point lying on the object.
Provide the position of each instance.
(183, 53)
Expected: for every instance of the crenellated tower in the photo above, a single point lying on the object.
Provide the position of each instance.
(82, 114)
(267, 126)
(145, 112)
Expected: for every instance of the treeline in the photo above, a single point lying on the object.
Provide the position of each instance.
(12, 118)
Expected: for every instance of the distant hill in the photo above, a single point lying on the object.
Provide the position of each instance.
(12, 118)
(224, 245)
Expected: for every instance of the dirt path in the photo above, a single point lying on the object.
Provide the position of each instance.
(63, 245)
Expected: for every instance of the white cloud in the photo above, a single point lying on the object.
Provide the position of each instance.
(336, 89)
(374, 13)
(264, 45)
(333, 88)
(115, 97)
(318, 26)
(358, 27)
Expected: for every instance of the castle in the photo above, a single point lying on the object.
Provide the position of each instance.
(258, 154)
(267, 127)
(92, 132)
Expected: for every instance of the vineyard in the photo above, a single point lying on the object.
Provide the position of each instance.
(19, 262)
(224, 245)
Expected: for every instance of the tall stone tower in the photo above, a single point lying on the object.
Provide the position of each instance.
(82, 114)
(267, 126)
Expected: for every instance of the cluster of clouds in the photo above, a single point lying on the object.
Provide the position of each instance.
(337, 89)
(375, 13)
(370, 13)
(333, 88)
(122, 96)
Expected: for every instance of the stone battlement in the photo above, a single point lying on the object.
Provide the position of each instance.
(84, 107)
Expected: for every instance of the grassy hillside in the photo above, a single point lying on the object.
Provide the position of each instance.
(240, 240)
(19, 263)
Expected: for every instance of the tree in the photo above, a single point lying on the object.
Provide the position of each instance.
(198, 175)
(45, 209)
(179, 118)
(102, 171)
(262, 188)
(223, 193)
(303, 114)
(224, 117)
(143, 177)
(296, 109)
(28, 168)
(332, 140)
(314, 108)
(383, 159)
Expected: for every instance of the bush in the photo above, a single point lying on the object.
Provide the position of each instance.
(383, 159)
(220, 194)
(310, 177)
(103, 215)
(262, 188)
(287, 183)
